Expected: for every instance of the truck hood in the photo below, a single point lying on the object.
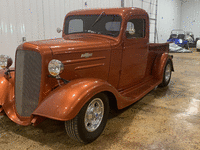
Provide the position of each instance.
(73, 43)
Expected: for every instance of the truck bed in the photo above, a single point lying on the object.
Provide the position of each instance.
(158, 47)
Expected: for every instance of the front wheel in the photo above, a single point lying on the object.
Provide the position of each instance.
(167, 74)
(90, 121)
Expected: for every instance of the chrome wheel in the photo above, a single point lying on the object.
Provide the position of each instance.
(91, 120)
(94, 114)
(167, 72)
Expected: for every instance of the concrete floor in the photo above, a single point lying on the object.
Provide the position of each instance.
(166, 118)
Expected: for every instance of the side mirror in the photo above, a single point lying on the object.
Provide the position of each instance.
(59, 30)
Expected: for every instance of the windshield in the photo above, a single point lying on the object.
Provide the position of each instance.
(177, 32)
(181, 36)
(106, 24)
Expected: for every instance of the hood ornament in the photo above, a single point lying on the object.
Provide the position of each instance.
(86, 55)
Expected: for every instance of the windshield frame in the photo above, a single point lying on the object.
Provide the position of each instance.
(66, 25)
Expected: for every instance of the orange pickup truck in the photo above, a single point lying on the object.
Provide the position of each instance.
(104, 59)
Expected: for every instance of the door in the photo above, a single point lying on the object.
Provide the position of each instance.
(134, 59)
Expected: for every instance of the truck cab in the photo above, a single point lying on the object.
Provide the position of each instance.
(104, 59)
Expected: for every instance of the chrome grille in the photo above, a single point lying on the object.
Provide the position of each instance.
(27, 81)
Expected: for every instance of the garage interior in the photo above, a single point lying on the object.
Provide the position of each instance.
(165, 119)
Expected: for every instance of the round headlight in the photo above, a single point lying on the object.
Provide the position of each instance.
(5, 61)
(180, 41)
(55, 67)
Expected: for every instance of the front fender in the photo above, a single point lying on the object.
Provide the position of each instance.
(66, 101)
(159, 65)
(6, 87)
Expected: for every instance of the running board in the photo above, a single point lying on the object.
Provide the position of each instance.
(138, 91)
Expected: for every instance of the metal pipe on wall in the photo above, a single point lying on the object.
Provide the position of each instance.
(155, 34)
(122, 3)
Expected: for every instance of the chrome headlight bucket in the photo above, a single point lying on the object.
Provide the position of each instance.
(55, 67)
(5, 61)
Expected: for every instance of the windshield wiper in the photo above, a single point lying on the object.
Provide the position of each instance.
(98, 18)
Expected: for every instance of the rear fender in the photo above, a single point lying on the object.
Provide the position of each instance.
(159, 65)
(65, 102)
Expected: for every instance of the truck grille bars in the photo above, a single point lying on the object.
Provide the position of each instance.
(27, 81)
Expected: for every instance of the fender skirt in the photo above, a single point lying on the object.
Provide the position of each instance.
(65, 102)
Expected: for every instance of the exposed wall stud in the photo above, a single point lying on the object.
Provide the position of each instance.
(122, 3)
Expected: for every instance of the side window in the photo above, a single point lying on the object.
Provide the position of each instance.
(75, 25)
(135, 28)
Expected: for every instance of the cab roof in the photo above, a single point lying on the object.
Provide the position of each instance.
(117, 11)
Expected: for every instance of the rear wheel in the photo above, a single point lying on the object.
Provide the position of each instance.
(167, 74)
(90, 121)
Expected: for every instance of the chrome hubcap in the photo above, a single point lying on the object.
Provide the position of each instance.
(167, 72)
(94, 114)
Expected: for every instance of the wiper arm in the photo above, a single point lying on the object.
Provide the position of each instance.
(98, 18)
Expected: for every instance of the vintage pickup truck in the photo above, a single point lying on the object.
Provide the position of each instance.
(104, 59)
